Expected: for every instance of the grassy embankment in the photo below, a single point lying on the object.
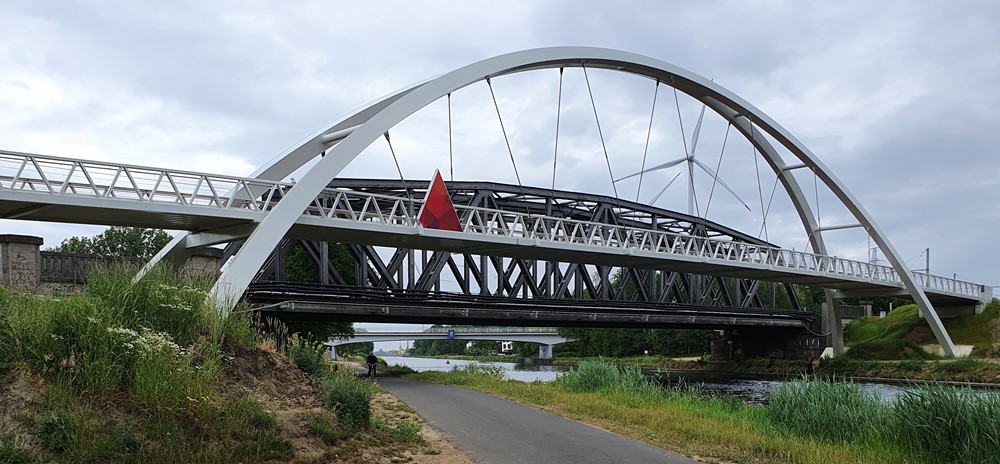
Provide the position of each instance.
(805, 422)
(138, 373)
(888, 347)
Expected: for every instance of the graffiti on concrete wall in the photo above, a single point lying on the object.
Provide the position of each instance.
(22, 271)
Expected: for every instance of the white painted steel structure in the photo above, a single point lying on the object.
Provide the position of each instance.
(223, 208)
(98, 192)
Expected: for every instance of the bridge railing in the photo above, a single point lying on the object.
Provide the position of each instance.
(487, 330)
(64, 176)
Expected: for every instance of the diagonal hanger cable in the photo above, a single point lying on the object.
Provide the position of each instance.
(451, 151)
(593, 104)
(555, 153)
(402, 180)
(649, 133)
(509, 150)
(756, 170)
(715, 179)
(692, 196)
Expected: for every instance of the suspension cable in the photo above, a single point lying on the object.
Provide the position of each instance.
(402, 180)
(555, 153)
(649, 133)
(509, 150)
(593, 104)
(819, 218)
(718, 166)
(756, 169)
(451, 152)
(770, 200)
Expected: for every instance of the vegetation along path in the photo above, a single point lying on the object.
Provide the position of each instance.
(493, 430)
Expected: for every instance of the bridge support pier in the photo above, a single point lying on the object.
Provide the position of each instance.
(20, 262)
(545, 352)
(333, 353)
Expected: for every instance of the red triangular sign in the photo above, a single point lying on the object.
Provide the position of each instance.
(438, 212)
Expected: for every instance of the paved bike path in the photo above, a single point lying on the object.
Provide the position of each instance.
(493, 430)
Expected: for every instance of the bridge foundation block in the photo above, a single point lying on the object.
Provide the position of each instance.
(742, 344)
(20, 262)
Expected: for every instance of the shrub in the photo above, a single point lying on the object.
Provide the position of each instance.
(307, 355)
(58, 430)
(350, 399)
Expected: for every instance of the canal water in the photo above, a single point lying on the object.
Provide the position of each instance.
(511, 370)
(754, 391)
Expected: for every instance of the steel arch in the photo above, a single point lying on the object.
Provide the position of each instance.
(352, 134)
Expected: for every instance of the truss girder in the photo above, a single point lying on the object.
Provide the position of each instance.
(528, 278)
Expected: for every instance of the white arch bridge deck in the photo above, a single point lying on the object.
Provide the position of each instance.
(222, 208)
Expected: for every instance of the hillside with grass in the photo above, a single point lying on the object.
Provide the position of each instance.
(149, 372)
(900, 334)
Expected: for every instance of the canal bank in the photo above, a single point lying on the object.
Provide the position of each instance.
(807, 422)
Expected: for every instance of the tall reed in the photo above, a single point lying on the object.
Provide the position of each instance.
(944, 424)
(838, 412)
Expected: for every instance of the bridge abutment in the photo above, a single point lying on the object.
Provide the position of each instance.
(742, 344)
(20, 262)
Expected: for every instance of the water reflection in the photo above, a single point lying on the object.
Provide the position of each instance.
(511, 370)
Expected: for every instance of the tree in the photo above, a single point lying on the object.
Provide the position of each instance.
(118, 241)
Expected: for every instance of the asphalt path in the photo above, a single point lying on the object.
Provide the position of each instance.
(492, 430)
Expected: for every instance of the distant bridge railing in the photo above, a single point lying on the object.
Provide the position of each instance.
(59, 267)
(63, 176)
(487, 330)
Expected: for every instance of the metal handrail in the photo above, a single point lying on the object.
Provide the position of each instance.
(64, 176)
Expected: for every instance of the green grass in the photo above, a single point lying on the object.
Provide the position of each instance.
(888, 349)
(403, 431)
(324, 427)
(132, 373)
(895, 324)
(904, 323)
(805, 421)
(12, 453)
(350, 399)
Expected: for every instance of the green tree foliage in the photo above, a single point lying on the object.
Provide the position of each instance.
(635, 342)
(356, 349)
(300, 267)
(118, 241)
(484, 347)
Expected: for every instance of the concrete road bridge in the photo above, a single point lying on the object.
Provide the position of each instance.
(545, 337)
(540, 243)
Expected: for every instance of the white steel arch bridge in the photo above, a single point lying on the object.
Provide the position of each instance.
(263, 209)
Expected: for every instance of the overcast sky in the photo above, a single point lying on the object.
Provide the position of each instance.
(898, 98)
